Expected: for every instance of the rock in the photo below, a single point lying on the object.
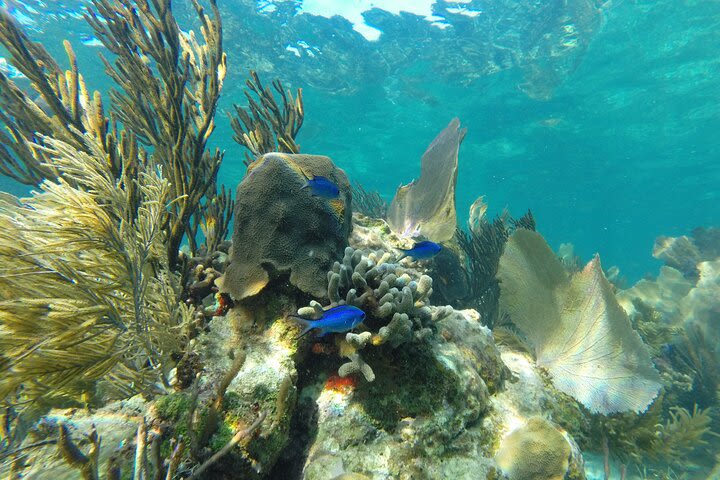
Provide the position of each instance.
(265, 383)
(531, 396)
(281, 229)
(420, 418)
(116, 424)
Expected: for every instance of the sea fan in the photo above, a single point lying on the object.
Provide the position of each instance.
(427, 206)
(579, 332)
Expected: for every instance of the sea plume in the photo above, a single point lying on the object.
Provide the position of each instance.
(579, 332)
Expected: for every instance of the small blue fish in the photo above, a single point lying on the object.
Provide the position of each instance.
(321, 187)
(421, 250)
(338, 319)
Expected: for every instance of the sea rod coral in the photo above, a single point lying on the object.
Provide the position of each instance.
(168, 84)
(87, 288)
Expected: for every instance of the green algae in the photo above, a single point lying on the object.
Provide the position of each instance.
(411, 383)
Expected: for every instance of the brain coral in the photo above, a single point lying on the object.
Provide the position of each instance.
(537, 451)
(280, 228)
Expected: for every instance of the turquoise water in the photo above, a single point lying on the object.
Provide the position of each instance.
(624, 149)
(602, 118)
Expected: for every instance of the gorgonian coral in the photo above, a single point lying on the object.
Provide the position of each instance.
(579, 332)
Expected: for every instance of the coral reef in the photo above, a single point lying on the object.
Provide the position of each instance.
(169, 84)
(686, 303)
(263, 127)
(653, 438)
(89, 293)
(535, 451)
(280, 229)
(685, 253)
(427, 206)
(99, 302)
(580, 333)
(398, 427)
(394, 298)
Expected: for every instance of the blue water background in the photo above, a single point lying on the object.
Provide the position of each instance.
(628, 147)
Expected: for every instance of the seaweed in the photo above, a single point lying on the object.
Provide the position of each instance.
(264, 126)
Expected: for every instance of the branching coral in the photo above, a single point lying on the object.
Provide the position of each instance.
(394, 297)
(87, 288)
(169, 86)
(264, 126)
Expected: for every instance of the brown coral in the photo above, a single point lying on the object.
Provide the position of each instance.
(281, 229)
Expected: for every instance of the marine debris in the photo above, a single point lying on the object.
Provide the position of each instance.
(426, 207)
(579, 332)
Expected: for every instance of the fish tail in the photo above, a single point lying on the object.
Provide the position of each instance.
(308, 324)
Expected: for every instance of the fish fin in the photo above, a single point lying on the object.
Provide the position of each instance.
(308, 324)
(307, 179)
(304, 332)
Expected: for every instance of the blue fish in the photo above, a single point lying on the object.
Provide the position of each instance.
(338, 319)
(321, 187)
(421, 250)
